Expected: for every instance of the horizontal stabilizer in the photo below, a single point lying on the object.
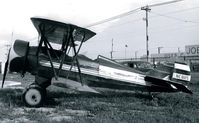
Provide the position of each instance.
(182, 87)
(167, 84)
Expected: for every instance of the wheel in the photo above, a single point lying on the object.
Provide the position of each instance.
(33, 96)
(41, 88)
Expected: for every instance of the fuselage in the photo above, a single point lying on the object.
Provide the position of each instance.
(102, 72)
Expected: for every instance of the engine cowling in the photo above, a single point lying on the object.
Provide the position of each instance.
(18, 62)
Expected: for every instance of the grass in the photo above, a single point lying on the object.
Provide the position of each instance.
(119, 107)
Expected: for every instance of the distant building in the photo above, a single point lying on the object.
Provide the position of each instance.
(190, 55)
(192, 50)
(168, 56)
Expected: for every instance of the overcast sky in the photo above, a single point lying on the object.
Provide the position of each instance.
(171, 26)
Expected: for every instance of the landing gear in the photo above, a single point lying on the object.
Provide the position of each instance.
(34, 95)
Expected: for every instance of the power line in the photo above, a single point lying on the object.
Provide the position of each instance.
(129, 13)
(146, 8)
(126, 22)
(174, 18)
(114, 17)
(182, 10)
(165, 3)
(139, 19)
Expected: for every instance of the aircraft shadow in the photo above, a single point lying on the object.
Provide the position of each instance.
(12, 98)
(56, 98)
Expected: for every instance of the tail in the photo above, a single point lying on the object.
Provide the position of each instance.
(161, 85)
(181, 73)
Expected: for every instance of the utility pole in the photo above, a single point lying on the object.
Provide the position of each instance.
(159, 48)
(8, 45)
(112, 49)
(125, 50)
(147, 9)
(136, 54)
(178, 49)
(7, 48)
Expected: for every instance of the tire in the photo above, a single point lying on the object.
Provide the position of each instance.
(44, 91)
(33, 96)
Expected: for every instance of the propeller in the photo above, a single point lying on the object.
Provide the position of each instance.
(6, 68)
(18, 64)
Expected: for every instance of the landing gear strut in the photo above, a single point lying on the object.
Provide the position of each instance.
(35, 94)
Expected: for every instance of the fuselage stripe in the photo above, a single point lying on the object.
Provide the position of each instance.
(104, 72)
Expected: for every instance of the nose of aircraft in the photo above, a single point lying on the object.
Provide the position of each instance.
(21, 47)
(17, 62)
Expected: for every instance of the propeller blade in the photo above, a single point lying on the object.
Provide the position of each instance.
(6, 68)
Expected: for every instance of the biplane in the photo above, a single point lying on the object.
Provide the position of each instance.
(57, 57)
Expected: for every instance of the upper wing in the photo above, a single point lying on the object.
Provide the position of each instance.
(56, 31)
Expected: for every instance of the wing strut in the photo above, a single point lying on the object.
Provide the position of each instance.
(68, 43)
(75, 57)
(46, 44)
(71, 40)
(65, 45)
